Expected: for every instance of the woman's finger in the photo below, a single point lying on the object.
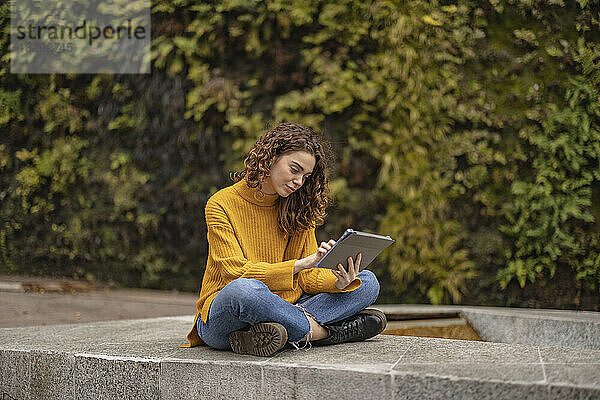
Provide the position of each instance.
(350, 267)
(357, 265)
(339, 276)
(342, 270)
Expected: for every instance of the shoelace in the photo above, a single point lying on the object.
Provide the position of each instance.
(348, 329)
(308, 336)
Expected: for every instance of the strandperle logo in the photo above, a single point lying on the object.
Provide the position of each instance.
(84, 31)
(89, 36)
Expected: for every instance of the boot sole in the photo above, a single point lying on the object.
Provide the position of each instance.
(263, 339)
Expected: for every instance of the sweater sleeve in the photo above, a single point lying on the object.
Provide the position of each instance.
(319, 280)
(227, 254)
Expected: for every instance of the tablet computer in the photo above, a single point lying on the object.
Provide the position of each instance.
(350, 244)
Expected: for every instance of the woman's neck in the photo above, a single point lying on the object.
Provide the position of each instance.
(267, 188)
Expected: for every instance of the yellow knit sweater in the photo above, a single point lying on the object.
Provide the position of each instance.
(244, 241)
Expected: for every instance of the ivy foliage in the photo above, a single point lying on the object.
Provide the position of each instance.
(468, 131)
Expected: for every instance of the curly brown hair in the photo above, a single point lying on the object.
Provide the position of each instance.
(305, 208)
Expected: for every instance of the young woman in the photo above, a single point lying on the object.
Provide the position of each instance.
(260, 288)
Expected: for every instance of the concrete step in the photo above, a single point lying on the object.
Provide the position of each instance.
(536, 327)
(139, 359)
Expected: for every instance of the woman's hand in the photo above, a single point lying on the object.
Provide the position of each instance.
(313, 259)
(344, 278)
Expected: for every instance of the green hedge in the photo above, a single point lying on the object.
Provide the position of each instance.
(468, 131)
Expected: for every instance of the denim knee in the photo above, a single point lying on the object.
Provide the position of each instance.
(242, 288)
(370, 285)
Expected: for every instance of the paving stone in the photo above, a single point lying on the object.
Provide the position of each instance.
(280, 382)
(432, 350)
(141, 359)
(419, 387)
(317, 382)
(564, 355)
(206, 353)
(524, 373)
(469, 359)
(112, 378)
(584, 374)
(380, 352)
(15, 374)
(79, 337)
(52, 375)
(573, 393)
(210, 380)
(536, 329)
(147, 349)
(565, 315)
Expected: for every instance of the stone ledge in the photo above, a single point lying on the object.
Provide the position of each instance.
(140, 359)
(536, 327)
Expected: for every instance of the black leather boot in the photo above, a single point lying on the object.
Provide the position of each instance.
(362, 326)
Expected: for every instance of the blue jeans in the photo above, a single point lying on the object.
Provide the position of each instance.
(246, 302)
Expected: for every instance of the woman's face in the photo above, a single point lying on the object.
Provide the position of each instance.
(289, 172)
